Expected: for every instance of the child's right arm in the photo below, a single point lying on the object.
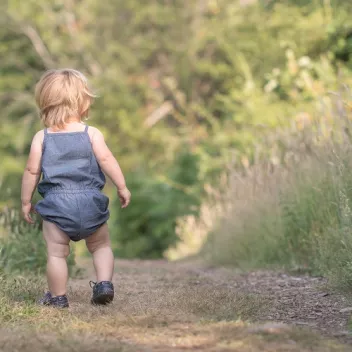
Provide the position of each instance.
(31, 176)
(110, 166)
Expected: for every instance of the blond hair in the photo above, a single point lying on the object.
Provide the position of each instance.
(61, 95)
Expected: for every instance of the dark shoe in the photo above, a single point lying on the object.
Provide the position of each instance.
(59, 301)
(45, 300)
(103, 292)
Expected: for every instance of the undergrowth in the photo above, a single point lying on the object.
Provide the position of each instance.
(294, 214)
(22, 247)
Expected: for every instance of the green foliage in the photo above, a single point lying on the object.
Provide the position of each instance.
(147, 227)
(216, 75)
(22, 247)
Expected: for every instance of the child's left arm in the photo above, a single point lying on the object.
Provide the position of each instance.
(31, 175)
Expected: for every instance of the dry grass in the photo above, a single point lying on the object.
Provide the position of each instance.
(293, 210)
(296, 216)
(234, 336)
(159, 307)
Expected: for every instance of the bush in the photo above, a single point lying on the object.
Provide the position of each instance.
(148, 226)
(22, 247)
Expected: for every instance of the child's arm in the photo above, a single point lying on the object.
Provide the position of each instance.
(110, 166)
(31, 175)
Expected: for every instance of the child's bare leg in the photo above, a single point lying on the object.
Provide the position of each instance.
(99, 246)
(58, 248)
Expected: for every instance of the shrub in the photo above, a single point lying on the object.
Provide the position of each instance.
(148, 226)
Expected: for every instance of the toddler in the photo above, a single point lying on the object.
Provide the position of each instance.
(71, 157)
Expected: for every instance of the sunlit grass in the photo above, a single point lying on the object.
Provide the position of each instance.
(177, 311)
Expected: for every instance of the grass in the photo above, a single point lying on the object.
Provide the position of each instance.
(299, 219)
(294, 211)
(22, 248)
(159, 307)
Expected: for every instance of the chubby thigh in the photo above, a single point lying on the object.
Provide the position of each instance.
(99, 239)
(57, 242)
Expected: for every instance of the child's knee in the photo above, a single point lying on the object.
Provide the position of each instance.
(59, 250)
(99, 239)
(93, 246)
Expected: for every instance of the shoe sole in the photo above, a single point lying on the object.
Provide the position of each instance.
(59, 307)
(54, 305)
(102, 299)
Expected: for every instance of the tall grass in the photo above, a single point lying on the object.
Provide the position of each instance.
(294, 211)
(22, 247)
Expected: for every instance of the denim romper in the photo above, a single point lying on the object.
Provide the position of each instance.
(71, 185)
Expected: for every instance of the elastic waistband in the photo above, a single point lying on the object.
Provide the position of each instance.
(71, 190)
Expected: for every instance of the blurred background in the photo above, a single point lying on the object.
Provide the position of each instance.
(230, 119)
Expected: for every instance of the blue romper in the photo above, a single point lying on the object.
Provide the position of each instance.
(71, 185)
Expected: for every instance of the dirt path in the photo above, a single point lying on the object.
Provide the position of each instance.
(164, 306)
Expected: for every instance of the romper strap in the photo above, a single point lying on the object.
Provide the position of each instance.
(86, 129)
(45, 137)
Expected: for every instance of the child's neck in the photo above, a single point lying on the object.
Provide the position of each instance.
(72, 120)
(71, 125)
